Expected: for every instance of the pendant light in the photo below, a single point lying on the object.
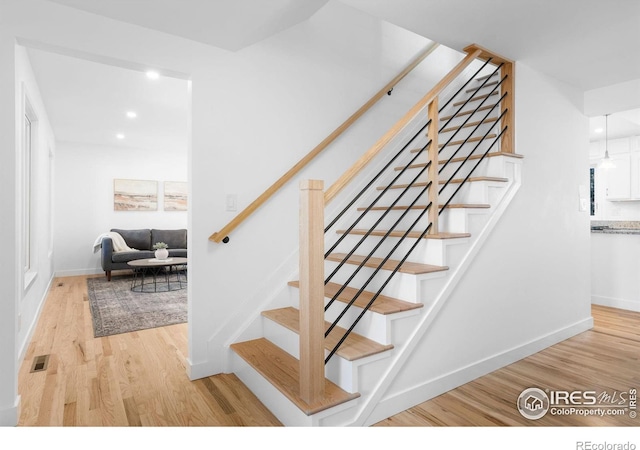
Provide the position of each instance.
(606, 162)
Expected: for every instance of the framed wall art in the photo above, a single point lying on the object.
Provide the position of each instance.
(135, 195)
(175, 196)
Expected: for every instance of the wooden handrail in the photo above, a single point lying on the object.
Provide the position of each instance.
(222, 235)
(365, 159)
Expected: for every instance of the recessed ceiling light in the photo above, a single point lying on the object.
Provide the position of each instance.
(132, 114)
(153, 75)
(598, 130)
(120, 136)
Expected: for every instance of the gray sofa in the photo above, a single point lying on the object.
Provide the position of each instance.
(143, 241)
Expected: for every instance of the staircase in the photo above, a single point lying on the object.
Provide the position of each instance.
(394, 254)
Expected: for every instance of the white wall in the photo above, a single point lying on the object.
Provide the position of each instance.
(34, 290)
(84, 183)
(22, 296)
(9, 281)
(529, 286)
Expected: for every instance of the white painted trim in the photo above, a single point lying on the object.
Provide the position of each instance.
(620, 303)
(196, 371)
(432, 388)
(9, 416)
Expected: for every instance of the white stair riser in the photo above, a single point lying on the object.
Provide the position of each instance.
(340, 371)
(374, 326)
(394, 219)
(286, 411)
(402, 285)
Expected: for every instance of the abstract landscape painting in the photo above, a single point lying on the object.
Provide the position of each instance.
(175, 196)
(135, 195)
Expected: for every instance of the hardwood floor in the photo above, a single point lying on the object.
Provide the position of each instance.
(132, 379)
(605, 358)
(139, 379)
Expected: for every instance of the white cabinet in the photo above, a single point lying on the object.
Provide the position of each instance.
(618, 184)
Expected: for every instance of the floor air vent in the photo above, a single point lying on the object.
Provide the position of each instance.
(40, 363)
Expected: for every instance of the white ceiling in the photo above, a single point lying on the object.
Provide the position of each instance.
(618, 125)
(587, 43)
(87, 102)
(227, 24)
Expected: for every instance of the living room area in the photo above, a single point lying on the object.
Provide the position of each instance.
(105, 147)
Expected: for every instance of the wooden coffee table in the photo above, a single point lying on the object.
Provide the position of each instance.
(172, 273)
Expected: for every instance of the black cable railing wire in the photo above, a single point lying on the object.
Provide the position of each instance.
(378, 175)
(404, 258)
(408, 208)
(384, 261)
(484, 155)
(366, 259)
(377, 294)
(471, 97)
(471, 114)
(471, 78)
(352, 202)
(374, 202)
(448, 161)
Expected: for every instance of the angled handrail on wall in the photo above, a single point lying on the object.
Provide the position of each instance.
(223, 234)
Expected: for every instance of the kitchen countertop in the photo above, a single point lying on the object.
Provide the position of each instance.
(615, 227)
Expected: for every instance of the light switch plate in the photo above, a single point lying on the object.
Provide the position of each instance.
(232, 202)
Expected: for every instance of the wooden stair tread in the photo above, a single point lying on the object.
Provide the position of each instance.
(470, 124)
(406, 267)
(454, 181)
(472, 139)
(420, 207)
(466, 113)
(413, 234)
(484, 77)
(283, 371)
(382, 305)
(475, 98)
(460, 159)
(461, 141)
(492, 83)
(353, 348)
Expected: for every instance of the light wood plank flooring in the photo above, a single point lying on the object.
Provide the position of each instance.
(131, 379)
(139, 379)
(605, 358)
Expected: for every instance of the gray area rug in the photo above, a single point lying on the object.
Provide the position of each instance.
(116, 309)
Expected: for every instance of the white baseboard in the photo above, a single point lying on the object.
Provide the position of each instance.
(9, 416)
(402, 401)
(77, 272)
(620, 303)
